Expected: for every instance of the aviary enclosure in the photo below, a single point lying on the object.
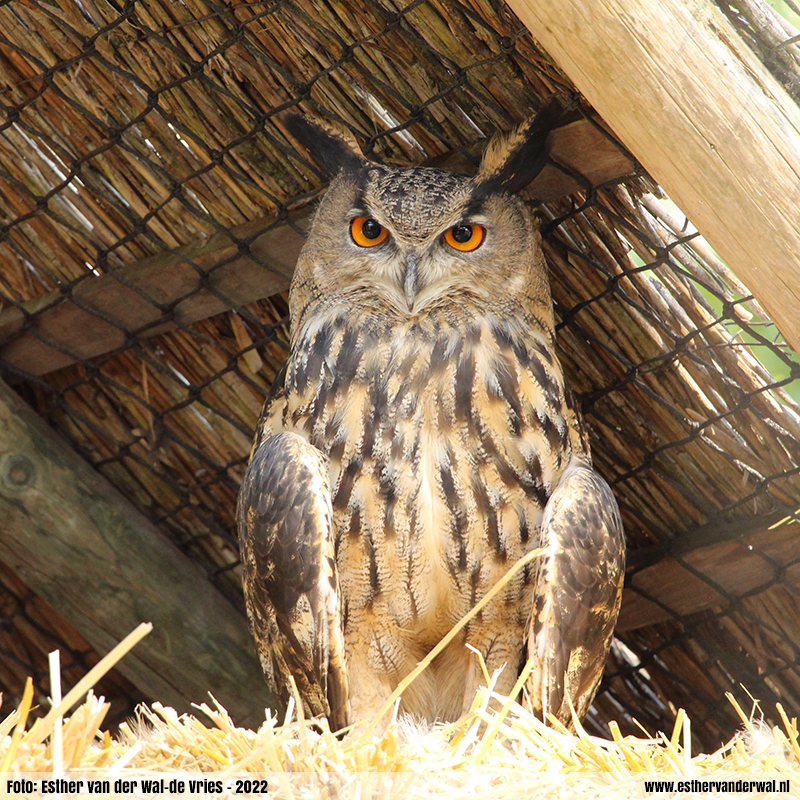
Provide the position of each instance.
(152, 208)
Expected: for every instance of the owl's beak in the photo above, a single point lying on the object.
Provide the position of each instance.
(411, 278)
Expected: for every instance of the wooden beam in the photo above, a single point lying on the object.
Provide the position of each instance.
(76, 542)
(64, 329)
(696, 107)
(152, 296)
(699, 579)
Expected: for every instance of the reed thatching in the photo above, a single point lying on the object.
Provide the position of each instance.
(131, 133)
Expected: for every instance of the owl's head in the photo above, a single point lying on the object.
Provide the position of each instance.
(409, 239)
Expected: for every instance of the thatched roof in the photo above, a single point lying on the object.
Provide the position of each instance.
(152, 131)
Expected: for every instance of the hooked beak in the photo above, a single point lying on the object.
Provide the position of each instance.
(411, 278)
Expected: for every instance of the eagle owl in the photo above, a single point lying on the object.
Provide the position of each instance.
(422, 438)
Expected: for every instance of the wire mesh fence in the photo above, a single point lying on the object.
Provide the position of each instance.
(151, 211)
(29, 630)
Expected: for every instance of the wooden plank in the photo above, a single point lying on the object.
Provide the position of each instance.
(152, 296)
(694, 105)
(76, 542)
(65, 329)
(698, 579)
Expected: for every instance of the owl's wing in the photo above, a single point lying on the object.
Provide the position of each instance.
(290, 580)
(577, 593)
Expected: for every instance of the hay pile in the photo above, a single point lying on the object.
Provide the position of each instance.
(498, 748)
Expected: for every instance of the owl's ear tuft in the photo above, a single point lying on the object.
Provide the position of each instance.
(332, 148)
(512, 160)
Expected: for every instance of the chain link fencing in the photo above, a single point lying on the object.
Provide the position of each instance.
(151, 210)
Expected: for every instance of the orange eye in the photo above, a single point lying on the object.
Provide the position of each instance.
(367, 232)
(465, 237)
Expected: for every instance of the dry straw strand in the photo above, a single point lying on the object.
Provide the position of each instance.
(43, 727)
(422, 665)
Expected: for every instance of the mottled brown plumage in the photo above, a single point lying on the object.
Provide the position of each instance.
(422, 439)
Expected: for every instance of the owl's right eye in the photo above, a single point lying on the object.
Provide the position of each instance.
(367, 232)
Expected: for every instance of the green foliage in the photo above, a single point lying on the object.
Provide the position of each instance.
(760, 335)
(783, 8)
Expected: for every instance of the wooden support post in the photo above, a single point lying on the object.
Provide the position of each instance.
(76, 542)
(678, 86)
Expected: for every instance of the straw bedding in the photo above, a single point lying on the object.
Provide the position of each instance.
(519, 757)
(498, 749)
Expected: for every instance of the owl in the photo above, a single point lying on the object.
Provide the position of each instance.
(422, 438)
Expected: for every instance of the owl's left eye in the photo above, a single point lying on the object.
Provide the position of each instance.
(367, 232)
(465, 237)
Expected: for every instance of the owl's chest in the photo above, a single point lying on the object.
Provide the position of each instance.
(432, 426)
(444, 443)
